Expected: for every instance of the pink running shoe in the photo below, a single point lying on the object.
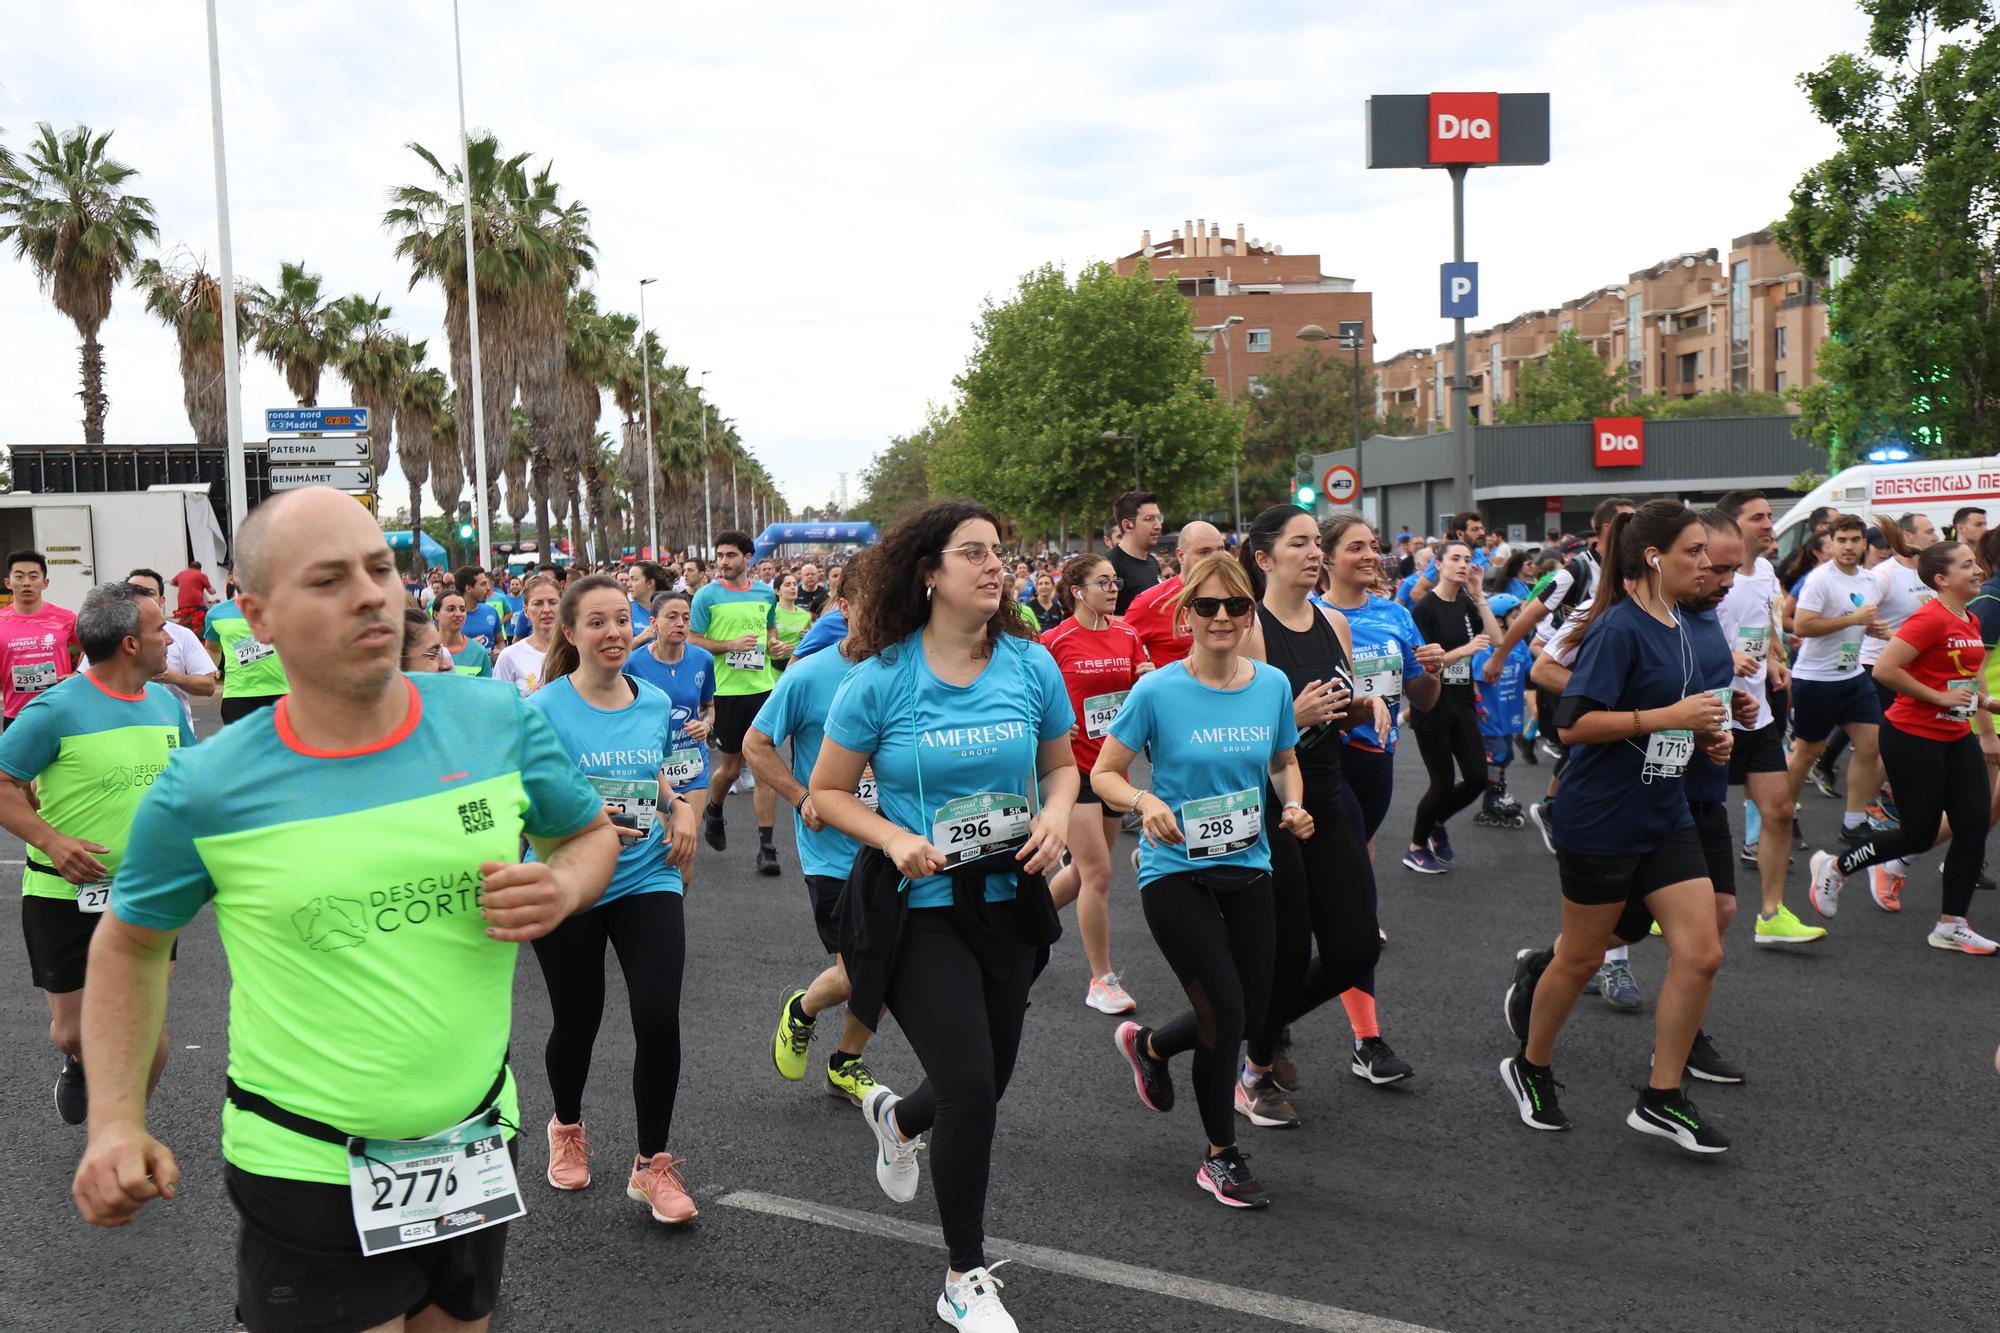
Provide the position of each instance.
(656, 1181)
(569, 1155)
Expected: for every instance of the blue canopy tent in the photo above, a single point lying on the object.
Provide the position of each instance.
(815, 534)
(434, 554)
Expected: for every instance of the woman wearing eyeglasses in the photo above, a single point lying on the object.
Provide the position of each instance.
(1219, 727)
(1099, 657)
(946, 917)
(422, 652)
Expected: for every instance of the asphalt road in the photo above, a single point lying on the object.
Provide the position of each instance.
(1859, 1194)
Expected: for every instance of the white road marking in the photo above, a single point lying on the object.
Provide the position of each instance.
(13, 863)
(1236, 1300)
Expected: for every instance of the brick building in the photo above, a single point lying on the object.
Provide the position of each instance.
(1273, 293)
(1688, 325)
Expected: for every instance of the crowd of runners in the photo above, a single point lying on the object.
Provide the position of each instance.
(967, 737)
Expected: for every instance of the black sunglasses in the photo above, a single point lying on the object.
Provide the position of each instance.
(1206, 607)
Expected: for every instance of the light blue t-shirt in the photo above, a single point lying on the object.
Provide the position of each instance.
(935, 743)
(797, 711)
(1408, 586)
(829, 629)
(1211, 752)
(1385, 655)
(620, 752)
(690, 683)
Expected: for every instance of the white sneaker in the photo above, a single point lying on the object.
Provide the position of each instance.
(1106, 996)
(1826, 883)
(895, 1157)
(1957, 933)
(973, 1302)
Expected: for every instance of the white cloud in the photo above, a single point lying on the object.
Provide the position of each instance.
(827, 195)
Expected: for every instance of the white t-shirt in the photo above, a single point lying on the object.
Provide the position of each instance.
(1902, 593)
(521, 663)
(184, 655)
(1565, 640)
(1832, 594)
(1746, 617)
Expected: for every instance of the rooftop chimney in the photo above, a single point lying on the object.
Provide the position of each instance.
(1146, 239)
(1241, 247)
(1187, 230)
(1201, 236)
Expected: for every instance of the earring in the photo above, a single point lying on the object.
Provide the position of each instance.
(927, 592)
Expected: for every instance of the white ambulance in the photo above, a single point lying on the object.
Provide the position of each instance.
(1937, 488)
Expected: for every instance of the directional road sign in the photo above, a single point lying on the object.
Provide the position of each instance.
(340, 478)
(294, 420)
(322, 449)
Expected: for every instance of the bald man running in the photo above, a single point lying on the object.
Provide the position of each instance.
(1151, 613)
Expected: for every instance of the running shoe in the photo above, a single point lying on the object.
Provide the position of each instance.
(656, 1182)
(1860, 835)
(1441, 844)
(767, 860)
(71, 1092)
(1284, 1069)
(1710, 1065)
(1594, 983)
(1655, 931)
(1886, 800)
(973, 1302)
(1880, 817)
(1825, 781)
(788, 1047)
(1264, 1105)
(1106, 996)
(1885, 885)
(1542, 815)
(1799, 843)
(1958, 934)
(1749, 854)
(1529, 964)
(1151, 1078)
(1527, 749)
(713, 831)
(1420, 860)
(895, 1157)
(1826, 884)
(1374, 1061)
(1534, 1094)
(1550, 748)
(1227, 1179)
(1674, 1118)
(852, 1080)
(1784, 927)
(1619, 990)
(569, 1155)
(1135, 860)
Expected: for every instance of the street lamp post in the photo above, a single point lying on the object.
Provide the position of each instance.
(1113, 437)
(232, 381)
(652, 459)
(1352, 336)
(472, 312)
(1229, 374)
(707, 504)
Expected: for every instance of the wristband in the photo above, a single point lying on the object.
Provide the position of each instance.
(1141, 795)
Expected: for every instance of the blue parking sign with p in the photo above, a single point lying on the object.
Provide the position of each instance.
(1458, 290)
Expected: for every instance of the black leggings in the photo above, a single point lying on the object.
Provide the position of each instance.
(1324, 893)
(650, 935)
(1221, 940)
(1458, 739)
(1371, 776)
(963, 1019)
(1933, 779)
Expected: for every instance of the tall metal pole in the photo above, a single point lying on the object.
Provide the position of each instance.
(1236, 464)
(232, 375)
(652, 459)
(735, 509)
(1357, 404)
(472, 313)
(1461, 384)
(707, 504)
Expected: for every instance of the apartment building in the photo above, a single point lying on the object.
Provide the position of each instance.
(1688, 325)
(1271, 295)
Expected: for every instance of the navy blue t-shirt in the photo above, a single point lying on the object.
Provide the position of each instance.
(1614, 802)
(1707, 780)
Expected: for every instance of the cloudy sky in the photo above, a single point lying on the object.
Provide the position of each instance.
(827, 194)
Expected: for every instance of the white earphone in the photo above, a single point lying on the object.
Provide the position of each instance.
(1654, 561)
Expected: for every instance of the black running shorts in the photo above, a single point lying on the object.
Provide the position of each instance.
(1599, 881)
(824, 891)
(58, 938)
(1759, 751)
(299, 1267)
(733, 715)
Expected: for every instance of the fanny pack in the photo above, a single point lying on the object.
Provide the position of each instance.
(259, 1105)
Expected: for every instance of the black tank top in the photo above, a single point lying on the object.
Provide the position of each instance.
(1304, 657)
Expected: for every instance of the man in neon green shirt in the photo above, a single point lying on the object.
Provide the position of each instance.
(91, 745)
(253, 675)
(362, 854)
(735, 618)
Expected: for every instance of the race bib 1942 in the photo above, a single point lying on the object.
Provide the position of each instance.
(979, 825)
(1098, 712)
(1217, 826)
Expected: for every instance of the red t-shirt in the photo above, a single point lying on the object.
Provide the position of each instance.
(1098, 667)
(1950, 653)
(193, 585)
(1151, 617)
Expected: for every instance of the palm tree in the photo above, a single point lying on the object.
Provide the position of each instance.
(518, 454)
(366, 359)
(298, 330)
(620, 374)
(554, 243)
(183, 294)
(64, 206)
(447, 473)
(419, 405)
(592, 342)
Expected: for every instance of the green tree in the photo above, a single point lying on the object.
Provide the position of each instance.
(1305, 403)
(1912, 199)
(419, 405)
(1571, 383)
(1756, 403)
(896, 483)
(181, 293)
(1057, 366)
(64, 205)
(298, 329)
(367, 358)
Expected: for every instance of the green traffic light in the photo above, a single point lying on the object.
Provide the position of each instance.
(1306, 496)
(465, 532)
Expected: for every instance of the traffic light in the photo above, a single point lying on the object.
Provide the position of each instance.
(1305, 491)
(466, 529)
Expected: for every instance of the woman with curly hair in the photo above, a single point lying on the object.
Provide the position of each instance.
(946, 918)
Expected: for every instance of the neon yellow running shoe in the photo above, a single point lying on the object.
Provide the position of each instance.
(788, 1047)
(851, 1080)
(1784, 927)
